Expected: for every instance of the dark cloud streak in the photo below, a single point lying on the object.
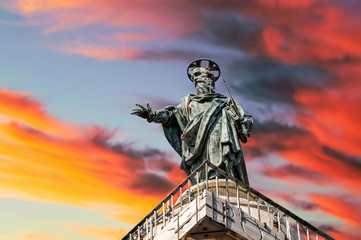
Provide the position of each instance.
(292, 170)
(271, 136)
(230, 31)
(152, 183)
(304, 205)
(353, 161)
(153, 172)
(270, 81)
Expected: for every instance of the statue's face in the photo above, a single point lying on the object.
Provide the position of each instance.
(203, 80)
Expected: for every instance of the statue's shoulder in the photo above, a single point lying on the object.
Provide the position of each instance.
(186, 100)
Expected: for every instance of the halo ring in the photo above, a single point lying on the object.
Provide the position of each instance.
(212, 66)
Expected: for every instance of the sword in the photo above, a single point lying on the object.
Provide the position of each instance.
(234, 107)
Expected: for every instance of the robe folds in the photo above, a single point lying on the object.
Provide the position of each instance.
(201, 128)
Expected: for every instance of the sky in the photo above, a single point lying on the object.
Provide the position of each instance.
(74, 164)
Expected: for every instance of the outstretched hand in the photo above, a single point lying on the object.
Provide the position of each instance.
(146, 113)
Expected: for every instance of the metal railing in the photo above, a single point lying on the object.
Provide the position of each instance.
(280, 218)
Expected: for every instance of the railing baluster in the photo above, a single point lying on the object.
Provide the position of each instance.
(197, 199)
(163, 215)
(155, 223)
(197, 175)
(269, 216)
(227, 192)
(172, 206)
(189, 191)
(249, 207)
(151, 228)
(167, 219)
(146, 228)
(138, 232)
(308, 234)
(258, 210)
(180, 197)
(178, 226)
(225, 213)
(206, 175)
(130, 236)
(288, 230)
(298, 231)
(237, 189)
(316, 235)
(217, 182)
(278, 220)
(212, 205)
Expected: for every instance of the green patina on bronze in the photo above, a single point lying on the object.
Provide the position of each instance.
(204, 126)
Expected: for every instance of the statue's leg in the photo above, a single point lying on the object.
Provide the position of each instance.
(213, 149)
(213, 146)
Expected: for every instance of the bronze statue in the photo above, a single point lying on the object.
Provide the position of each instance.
(204, 126)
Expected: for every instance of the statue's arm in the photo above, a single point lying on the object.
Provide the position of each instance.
(163, 116)
(246, 119)
(243, 121)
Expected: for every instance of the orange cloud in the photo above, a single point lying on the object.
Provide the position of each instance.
(20, 107)
(333, 116)
(339, 207)
(308, 31)
(335, 169)
(38, 162)
(347, 234)
(104, 52)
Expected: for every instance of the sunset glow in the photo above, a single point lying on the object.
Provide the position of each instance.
(74, 164)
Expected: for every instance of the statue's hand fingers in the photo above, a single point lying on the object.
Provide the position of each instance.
(135, 111)
(140, 106)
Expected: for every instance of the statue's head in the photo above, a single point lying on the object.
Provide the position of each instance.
(203, 73)
(203, 80)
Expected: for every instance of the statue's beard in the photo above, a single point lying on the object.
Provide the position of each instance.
(201, 90)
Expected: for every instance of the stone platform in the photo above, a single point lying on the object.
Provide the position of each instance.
(221, 208)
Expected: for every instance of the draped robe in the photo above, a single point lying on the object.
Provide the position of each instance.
(201, 128)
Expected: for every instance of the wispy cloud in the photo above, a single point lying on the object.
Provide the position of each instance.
(91, 172)
(300, 58)
(294, 33)
(101, 52)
